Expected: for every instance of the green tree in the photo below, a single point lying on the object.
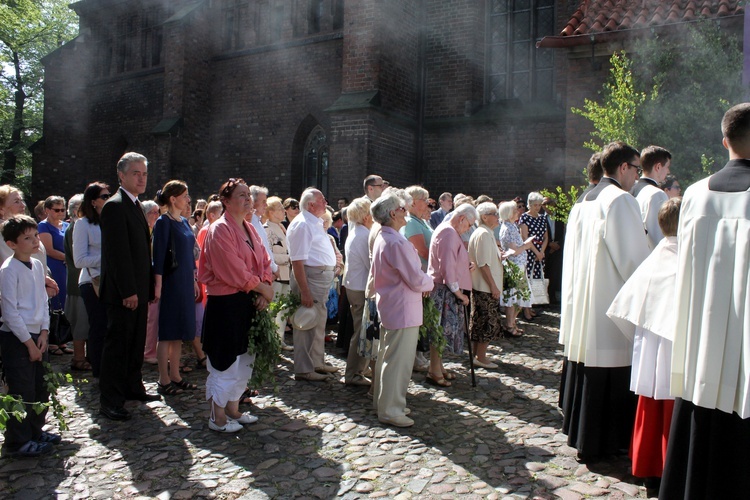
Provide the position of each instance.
(29, 30)
(672, 92)
(616, 118)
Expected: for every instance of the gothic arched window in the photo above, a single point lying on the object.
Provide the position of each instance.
(316, 160)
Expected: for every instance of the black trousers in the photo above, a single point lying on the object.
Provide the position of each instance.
(122, 358)
(25, 380)
(97, 313)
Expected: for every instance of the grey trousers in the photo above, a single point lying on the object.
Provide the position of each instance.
(393, 370)
(355, 364)
(309, 345)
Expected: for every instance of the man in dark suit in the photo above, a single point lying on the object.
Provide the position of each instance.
(446, 205)
(554, 252)
(126, 288)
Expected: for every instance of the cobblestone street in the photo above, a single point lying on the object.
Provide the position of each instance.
(498, 440)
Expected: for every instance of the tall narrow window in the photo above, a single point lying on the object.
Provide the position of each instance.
(337, 8)
(315, 16)
(235, 12)
(516, 68)
(316, 160)
(277, 22)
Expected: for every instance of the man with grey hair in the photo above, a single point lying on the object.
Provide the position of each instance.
(313, 263)
(260, 195)
(127, 285)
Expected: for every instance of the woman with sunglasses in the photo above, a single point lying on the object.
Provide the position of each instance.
(52, 235)
(87, 256)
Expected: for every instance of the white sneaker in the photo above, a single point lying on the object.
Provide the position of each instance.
(230, 426)
(245, 418)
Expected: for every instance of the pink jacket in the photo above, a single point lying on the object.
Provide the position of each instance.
(449, 260)
(228, 264)
(399, 280)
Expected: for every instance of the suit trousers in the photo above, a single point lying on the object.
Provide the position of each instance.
(355, 364)
(25, 379)
(393, 370)
(122, 357)
(309, 345)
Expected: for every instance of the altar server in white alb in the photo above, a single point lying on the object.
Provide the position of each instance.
(609, 243)
(646, 302)
(709, 445)
(655, 163)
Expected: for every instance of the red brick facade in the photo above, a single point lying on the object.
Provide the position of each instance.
(225, 88)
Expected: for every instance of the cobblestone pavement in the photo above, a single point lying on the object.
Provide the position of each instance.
(501, 439)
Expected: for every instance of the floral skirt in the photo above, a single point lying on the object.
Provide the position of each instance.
(486, 323)
(452, 318)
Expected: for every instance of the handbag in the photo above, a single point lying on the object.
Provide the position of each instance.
(538, 287)
(170, 260)
(59, 328)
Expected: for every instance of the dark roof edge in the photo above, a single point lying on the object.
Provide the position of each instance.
(560, 41)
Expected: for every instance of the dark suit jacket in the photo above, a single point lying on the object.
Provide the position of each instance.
(126, 251)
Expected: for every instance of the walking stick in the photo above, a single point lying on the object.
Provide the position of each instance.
(468, 341)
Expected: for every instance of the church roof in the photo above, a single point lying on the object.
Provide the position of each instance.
(594, 18)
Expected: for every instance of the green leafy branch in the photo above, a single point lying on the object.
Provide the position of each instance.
(515, 284)
(264, 342)
(13, 407)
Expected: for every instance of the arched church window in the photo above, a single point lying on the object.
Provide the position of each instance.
(316, 160)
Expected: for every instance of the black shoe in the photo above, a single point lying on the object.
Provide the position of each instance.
(115, 413)
(144, 396)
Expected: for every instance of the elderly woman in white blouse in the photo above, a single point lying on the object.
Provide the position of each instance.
(356, 270)
(276, 233)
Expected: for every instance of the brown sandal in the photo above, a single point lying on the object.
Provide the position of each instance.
(440, 382)
(80, 365)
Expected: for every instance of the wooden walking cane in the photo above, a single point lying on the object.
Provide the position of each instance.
(468, 341)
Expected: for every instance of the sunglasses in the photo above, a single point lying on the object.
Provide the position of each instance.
(104, 196)
(58, 210)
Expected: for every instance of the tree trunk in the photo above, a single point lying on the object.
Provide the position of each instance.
(8, 175)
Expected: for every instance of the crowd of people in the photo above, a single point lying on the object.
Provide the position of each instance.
(138, 279)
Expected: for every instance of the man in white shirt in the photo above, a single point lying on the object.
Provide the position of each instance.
(260, 195)
(655, 162)
(313, 263)
(605, 242)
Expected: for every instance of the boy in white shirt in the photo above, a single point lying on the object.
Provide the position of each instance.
(23, 337)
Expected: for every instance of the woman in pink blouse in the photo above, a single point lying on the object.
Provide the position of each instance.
(399, 282)
(233, 263)
(450, 269)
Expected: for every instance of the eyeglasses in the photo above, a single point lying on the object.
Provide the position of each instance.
(58, 210)
(676, 186)
(401, 209)
(104, 196)
(637, 167)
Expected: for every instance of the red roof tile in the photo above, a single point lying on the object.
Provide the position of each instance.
(601, 16)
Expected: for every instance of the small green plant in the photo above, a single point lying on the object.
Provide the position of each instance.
(564, 201)
(431, 327)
